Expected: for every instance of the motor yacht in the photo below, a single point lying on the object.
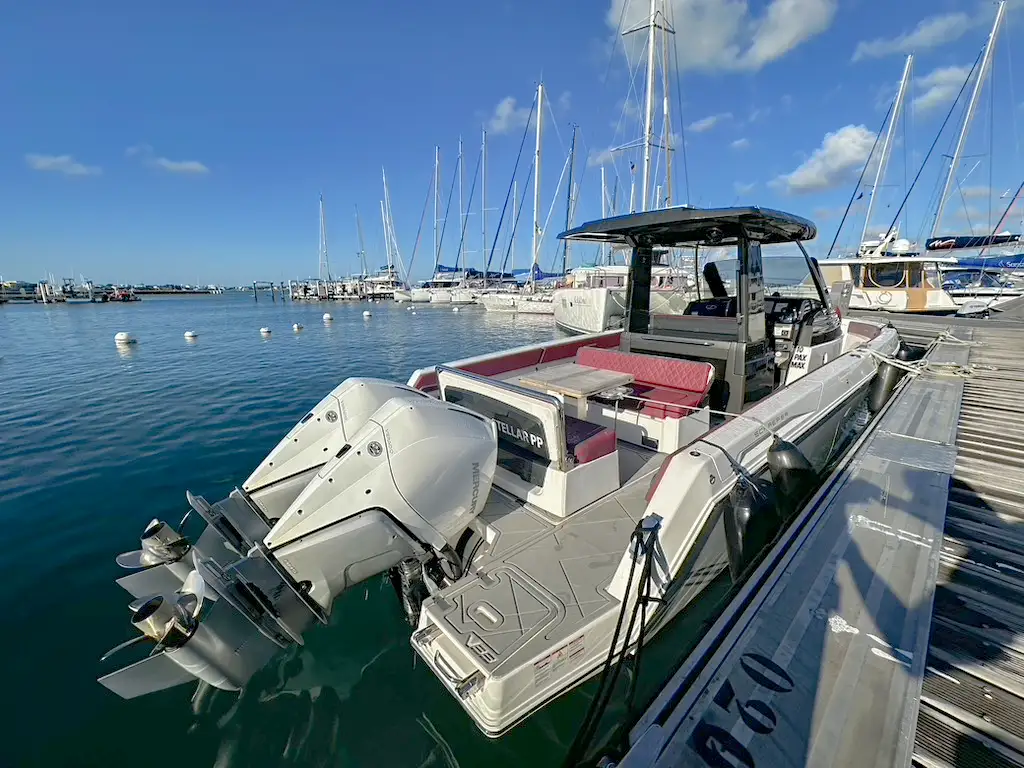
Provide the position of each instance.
(524, 502)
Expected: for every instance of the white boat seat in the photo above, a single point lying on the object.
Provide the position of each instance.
(554, 461)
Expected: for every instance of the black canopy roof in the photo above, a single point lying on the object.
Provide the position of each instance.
(670, 227)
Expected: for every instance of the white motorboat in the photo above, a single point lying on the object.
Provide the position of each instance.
(525, 501)
(523, 302)
(595, 300)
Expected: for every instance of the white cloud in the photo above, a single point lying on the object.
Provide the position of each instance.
(975, 193)
(508, 116)
(740, 144)
(180, 166)
(929, 33)
(65, 164)
(785, 25)
(758, 113)
(725, 34)
(707, 123)
(841, 154)
(149, 157)
(940, 86)
(744, 188)
(565, 101)
(601, 157)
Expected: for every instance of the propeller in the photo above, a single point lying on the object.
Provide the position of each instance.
(160, 544)
(168, 620)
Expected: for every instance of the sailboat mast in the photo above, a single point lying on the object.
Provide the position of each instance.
(536, 181)
(649, 108)
(325, 267)
(986, 63)
(387, 240)
(395, 254)
(483, 202)
(568, 199)
(883, 161)
(604, 211)
(362, 244)
(437, 183)
(666, 109)
(512, 245)
(462, 241)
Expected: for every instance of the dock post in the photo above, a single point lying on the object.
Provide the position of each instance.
(255, 296)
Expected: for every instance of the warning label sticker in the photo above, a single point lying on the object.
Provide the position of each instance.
(569, 654)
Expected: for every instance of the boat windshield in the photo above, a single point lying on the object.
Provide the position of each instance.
(714, 274)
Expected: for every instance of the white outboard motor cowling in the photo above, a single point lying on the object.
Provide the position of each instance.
(317, 439)
(408, 483)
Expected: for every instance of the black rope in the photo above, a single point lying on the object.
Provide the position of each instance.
(853, 196)
(508, 194)
(610, 670)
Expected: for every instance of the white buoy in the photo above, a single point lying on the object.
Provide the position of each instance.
(265, 331)
(328, 317)
(455, 309)
(414, 311)
(408, 309)
(123, 337)
(296, 326)
(191, 335)
(366, 313)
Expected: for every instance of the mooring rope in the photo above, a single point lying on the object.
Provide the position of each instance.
(952, 370)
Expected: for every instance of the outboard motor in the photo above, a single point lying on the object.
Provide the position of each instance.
(316, 439)
(974, 308)
(401, 488)
(409, 484)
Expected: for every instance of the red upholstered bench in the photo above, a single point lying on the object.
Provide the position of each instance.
(666, 379)
(585, 442)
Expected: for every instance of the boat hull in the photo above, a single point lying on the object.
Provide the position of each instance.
(564, 620)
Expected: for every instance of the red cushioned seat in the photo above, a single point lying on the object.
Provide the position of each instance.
(669, 380)
(660, 409)
(585, 441)
(596, 446)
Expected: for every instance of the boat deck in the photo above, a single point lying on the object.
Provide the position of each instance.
(887, 627)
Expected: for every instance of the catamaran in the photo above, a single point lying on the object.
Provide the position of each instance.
(518, 499)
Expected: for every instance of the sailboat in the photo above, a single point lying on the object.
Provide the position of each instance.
(892, 274)
(529, 300)
(524, 502)
(889, 273)
(595, 299)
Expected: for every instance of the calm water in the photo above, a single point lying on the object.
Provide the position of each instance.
(97, 441)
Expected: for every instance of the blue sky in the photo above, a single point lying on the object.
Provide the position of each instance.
(183, 143)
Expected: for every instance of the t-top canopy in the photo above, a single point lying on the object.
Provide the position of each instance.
(672, 227)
